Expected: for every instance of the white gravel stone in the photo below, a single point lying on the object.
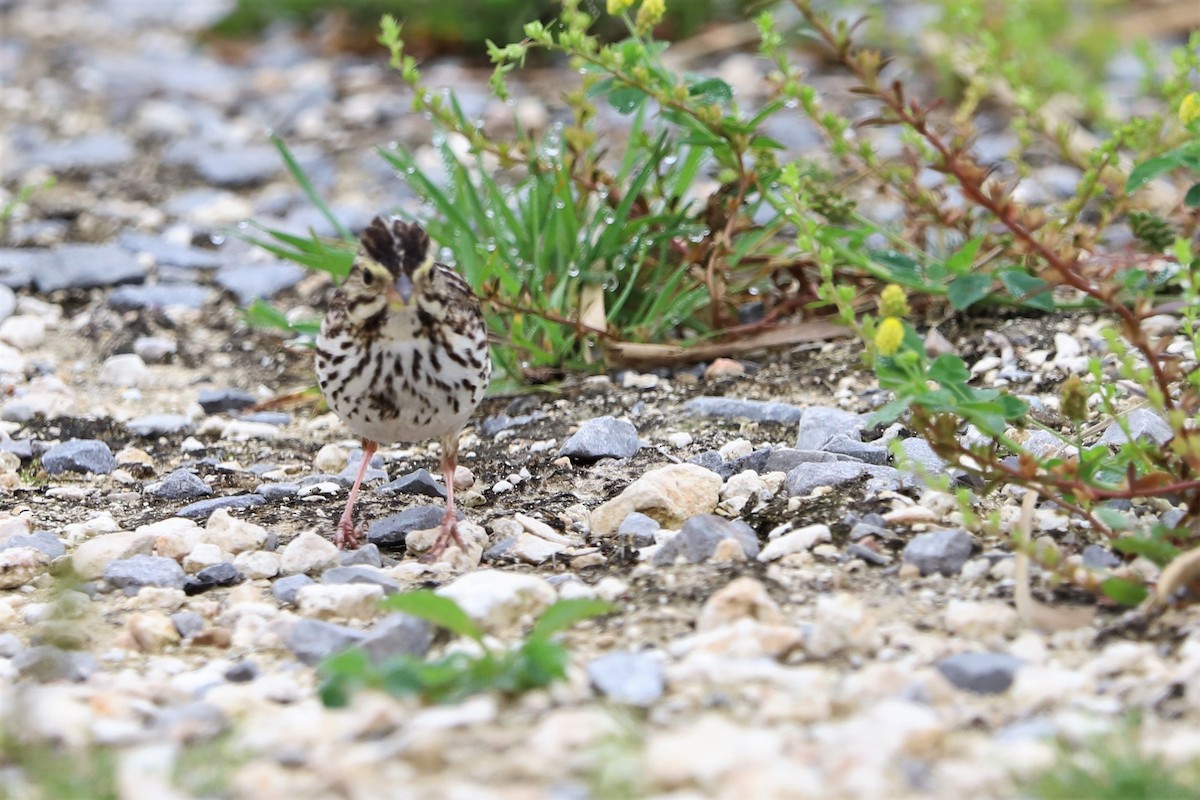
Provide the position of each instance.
(679, 439)
(981, 621)
(498, 600)
(331, 459)
(20, 565)
(796, 541)
(90, 557)
(744, 484)
(233, 535)
(308, 554)
(842, 623)
(124, 370)
(23, 332)
(706, 752)
(204, 554)
(11, 362)
(736, 449)
(339, 601)
(670, 494)
(257, 564)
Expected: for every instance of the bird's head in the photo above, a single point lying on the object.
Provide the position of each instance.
(394, 263)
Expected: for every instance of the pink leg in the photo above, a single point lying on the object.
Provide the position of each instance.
(450, 518)
(347, 536)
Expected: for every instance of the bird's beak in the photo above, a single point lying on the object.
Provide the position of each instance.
(400, 293)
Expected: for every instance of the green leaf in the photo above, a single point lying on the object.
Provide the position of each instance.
(1124, 591)
(626, 99)
(948, 370)
(341, 674)
(441, 611)
(966, 290)
(301, 178)
(1150, 169)
(960, 262)
(566, 613)
(1192, 198)
(1029, 290)
(1156, 550)
(711, 90)
(1112, 518)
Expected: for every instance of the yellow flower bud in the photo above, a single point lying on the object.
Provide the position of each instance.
(650, 14)
(1189, 109)
(617, 6)
(893, 302)
(889, 336)
(1073, 399)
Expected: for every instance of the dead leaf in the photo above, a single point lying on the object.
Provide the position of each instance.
(638, 355)
(1033, 612)
(1183, 573)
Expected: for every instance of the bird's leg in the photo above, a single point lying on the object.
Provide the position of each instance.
(347, 536)
(449, 530)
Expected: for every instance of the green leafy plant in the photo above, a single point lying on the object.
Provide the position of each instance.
(45, 771)
(536, 662)
(20, 197)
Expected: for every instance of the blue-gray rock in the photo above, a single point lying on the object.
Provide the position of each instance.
(222, 574)
(699, 537)
(86, 266)
(786, 459)
(47, 663)
(1098, 557)
(311, 640)
(8, 302)
(10, 645)
(280, 491)
(214, 401)
(367, 555)
(417, 482)
(939, 551)
(167, 253)
(134, 298)
(21, 448)
(1143, 424)
(160, 425)
(346, 476)
(820, 423)
(811, 475)
(360, 573)
(710, 459)
(285, 589)
(981, 673)
(500, 551)
(139, 571)
(638, 529)
(397, 635)
(921, 457)
(43, 541)
(861, 530)
(602, 437)
(392, 530)
(201, 509)
(248, 283)
(502, 422)
(856, 550)
(17, 266)
(188, 623)
(279, 418)
(755, 461)
(634, 679)
(735, 408)
(79, 455)
(242, 672)
(93, 152)
(857, 449)
(234, 169)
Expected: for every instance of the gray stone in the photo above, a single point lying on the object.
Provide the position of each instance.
(86, 266)
(79, 455)
(360, 573)
(10, 645)
(735, 408)
(346, 476)
(139, 571)
(279, 418)
(981, 673)
(699, 537)
(46, 663)
(853, 447)
(857, 550)
(1143, 424)
(638, 529)
(1098, 557)
(248, 283)
(755, 461)
(367, 555)
(196, 721)
(167, 253)
(418, 482)
(160, 425)
(861, 530)
(8, 302)
(808, 476)
(392, 530)
(94, 152)
(939, 551)
(43, 541)
(285, 589)
(820, 423)
(786, 459)
(17, 266)
(311, 640)
(188, 623)
(183, 295)
(236, 169)
(214, 401)
(397, 635)
(280, 491)
(602, 437)
(710, 459)
(242, 672)
(21, 448)
(634, 679)
(922, 458)
(201, 509)
(222, 574)
(502, 422)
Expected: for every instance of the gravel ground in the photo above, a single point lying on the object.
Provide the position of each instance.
(795, 616)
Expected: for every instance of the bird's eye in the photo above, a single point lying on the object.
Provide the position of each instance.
(368, 277)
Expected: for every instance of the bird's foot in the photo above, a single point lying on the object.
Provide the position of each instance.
(348, 536)
(449, 532)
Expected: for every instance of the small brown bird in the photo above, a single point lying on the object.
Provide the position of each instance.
(403, 356)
